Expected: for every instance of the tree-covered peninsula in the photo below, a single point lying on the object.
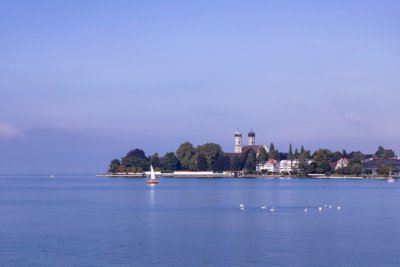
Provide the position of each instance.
(211, 157)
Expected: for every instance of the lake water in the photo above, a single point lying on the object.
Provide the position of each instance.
(85, 220)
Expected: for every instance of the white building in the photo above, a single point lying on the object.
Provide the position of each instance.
(341, 163)
(270, 165)
(288, 165)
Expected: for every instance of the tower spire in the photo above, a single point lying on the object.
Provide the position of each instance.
(238, 142)
(251, 138)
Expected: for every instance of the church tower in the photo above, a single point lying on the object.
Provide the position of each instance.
(251, 140)
(238, 142)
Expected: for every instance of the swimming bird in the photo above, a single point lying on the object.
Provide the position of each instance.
(305, 209)
(264, 207)
(330, 206)
(241, 206)
(319, 208)
(272, 209)
(338, 207)
(325, 205)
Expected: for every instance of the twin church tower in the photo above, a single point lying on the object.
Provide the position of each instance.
(251, 140)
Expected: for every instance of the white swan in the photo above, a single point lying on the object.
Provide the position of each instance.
(319, 208)
(338, 207)
(305, 209)
(264, 207)
(272, 209)
(241, 206)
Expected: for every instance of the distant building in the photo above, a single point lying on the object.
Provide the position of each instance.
(371, 166)
(341, 163)
(251, 138)
(288, 165)
(270, 165)
(238, 142)
(240, 150)
(251, 143)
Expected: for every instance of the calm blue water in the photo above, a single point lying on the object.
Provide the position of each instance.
(93, 221)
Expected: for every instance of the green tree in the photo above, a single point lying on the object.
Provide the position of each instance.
(343, 170)
(136, 159)
(356, 155)
(193, 163)
(250, 165)
(383, 169)
(380, 152)
(389, 154)
(185, 154)
(155, 161)
(321, 159)
(114, 166)
(201, 163)
(262, 155)
(383, 153)
(333, 156)
(137, 153)
(170, 162)
(305, 165)
(237, 163)
(290, 155)
(296, 154)
(355, 169)
(302, 150)
(211, 152)
(303, 160)
(273, 154)
(222, 163)
(122, 169)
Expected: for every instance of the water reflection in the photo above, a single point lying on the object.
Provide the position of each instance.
(152, 195)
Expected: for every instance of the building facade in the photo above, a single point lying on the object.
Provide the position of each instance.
(251, 143)
(371, 166)
(288, 166)
(251, 138)
(238, 142)
(270, 165)
(341, 163)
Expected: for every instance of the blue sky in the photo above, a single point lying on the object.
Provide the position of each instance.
(82, 82)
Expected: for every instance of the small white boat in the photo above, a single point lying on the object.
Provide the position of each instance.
(390, 178)
(152, 179)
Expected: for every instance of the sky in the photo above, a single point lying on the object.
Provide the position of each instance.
(83, 82)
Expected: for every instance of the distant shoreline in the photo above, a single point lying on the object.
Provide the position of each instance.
(225, 175)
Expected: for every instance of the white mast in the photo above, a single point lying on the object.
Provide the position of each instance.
(152, 175)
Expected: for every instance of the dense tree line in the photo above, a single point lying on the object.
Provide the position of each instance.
(210, 157)
(207, 157)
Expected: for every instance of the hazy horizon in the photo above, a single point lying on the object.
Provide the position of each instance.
(85, 82)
